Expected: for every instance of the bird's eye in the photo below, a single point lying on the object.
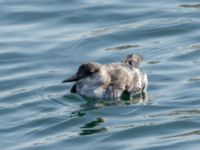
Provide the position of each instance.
(130, 62)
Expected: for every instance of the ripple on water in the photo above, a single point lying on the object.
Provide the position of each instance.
(41, 43)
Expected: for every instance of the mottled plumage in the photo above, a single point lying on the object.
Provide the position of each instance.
(109, 80)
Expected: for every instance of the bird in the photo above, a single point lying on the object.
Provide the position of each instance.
(109, 81)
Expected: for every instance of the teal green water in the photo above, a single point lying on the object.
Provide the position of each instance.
(44, 41)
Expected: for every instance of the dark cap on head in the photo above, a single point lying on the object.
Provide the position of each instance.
(84, 70)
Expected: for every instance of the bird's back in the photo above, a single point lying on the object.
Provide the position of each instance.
(126, 77)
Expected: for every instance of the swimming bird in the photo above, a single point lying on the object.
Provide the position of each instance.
(104, 81)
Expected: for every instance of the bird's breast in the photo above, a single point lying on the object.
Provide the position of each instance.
(95, 92)
(90, 89)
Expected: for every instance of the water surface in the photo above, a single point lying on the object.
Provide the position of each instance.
(43, 42)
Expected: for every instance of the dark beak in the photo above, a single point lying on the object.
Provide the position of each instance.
(71, 79)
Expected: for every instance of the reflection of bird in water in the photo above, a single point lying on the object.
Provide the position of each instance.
(110, 80)
(94, 126)
(141, 98)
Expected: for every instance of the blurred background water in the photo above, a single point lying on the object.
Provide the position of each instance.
(43, 42)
